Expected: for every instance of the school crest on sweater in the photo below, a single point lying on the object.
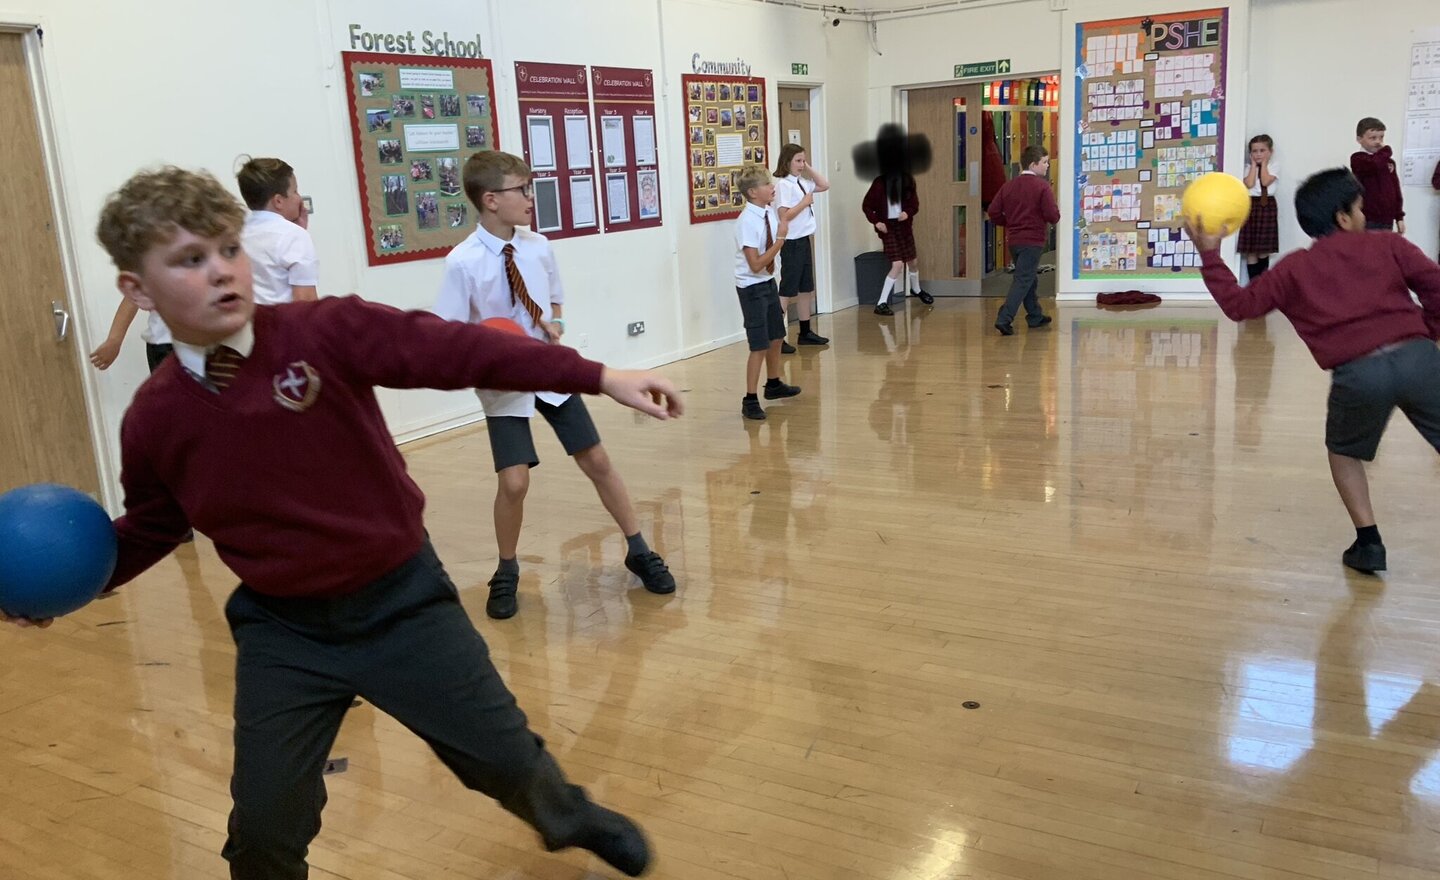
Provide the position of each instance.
(297, 388)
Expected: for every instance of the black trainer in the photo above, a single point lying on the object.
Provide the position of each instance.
(780, 390)
(810, 337)
(925, 298)
(751, 409)
(786, 347)
(616, 839)
(1367, 558)
(502, 604)
(1005, 329)
(884, 309)
(1040, 321)
(652, 572)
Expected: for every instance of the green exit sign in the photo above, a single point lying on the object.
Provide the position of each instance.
(983, 68)
(798, 69)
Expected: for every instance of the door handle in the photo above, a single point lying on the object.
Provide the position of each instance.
(62, 321)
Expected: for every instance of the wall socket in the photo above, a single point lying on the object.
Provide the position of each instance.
(635, 328)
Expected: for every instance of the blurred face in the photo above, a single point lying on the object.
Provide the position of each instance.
(797, 164)
(288, 205)
(200, 286)
(1259, 152)
(513, 204)
(763, 194)
(1372, 140)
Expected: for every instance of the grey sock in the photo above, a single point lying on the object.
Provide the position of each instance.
(508, 566)
(637, 544)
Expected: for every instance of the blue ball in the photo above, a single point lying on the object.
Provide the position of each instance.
(57, 550)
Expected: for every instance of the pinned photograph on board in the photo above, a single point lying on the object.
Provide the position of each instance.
(449, 176)
(474, 135)
(391, 238)
(726, 119)
(739, 115)
(371, 83)
(390, 152)
(759, 155)
(421, 169)
(710, 180)
(699, 203)
(695, 113)
(649, 184)
(712, 200)
(617, 198)
(402, 106)
(427, 106)
(754, 133)
(479, 104)
(697, 158)
(695, 91)
(709, 158)
(724, 91)
(449, 105)
(757, 113)
(722, 186)
(397, 194)
(709, 135)
(455, 214)
(712, 116)
(749, 154)
(697, 180)
(697, 135)
(737, 200)
(378, 120)
(754, 94)
(427, 210)
(710, 91)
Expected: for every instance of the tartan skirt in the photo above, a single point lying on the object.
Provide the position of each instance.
(1261, 233)
(899, 241)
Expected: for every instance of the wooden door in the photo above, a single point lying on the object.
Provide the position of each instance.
(949, 228)
(794, 116)
(43, 426)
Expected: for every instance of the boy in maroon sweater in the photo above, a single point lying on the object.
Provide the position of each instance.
(1024, 206)
(264, 433)
(1374, 165)
(1348, 297)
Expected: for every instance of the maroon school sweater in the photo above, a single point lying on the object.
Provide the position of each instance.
(1384, 202)
(291, 470)
(1347, 295)
(1023, 206)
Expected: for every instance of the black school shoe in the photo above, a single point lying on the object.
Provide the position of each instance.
(652, 572)
(925, 298)
(1005, 329)
(502, 604)
(884, 309)
(1367, 558)
(1039, 322)
(614, 838)
(786, 347)
(812, 338)
(751, 409)
(780, 390)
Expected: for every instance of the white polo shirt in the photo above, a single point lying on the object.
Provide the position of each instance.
(155, 332)
(1274, 169)
(750, 232)
(475, 288)
(281, 256)
(789, 192)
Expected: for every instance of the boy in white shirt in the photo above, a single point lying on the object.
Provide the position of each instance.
(759, 235)
(504, 270)
(796, 185)
(275, 235)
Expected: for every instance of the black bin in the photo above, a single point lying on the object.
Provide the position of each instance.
(870, 272)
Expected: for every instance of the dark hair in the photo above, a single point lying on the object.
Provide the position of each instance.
(787, 155)
(1324, 195)
(262, 180)
(1032, 154)
(1262, 139)
(1369, 123)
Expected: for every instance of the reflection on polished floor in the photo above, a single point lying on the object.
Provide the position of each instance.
(1064, 605)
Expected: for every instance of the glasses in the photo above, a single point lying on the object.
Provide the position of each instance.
(525, 189)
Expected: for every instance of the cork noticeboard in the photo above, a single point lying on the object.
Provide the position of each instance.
(725, 129)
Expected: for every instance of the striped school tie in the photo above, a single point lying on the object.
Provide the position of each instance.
(221, 365)
(518, 293)
(769, 243)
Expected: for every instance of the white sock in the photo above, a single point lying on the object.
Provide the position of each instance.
(885, 291)
(914, 281)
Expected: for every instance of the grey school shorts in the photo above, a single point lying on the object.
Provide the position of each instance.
(760, 307)
(1366, 390)
(511, 442)
(797, 266)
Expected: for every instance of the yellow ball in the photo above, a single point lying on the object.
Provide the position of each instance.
(1216, 200)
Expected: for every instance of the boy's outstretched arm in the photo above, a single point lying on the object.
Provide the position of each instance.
(1238, 303)
(1422, 275)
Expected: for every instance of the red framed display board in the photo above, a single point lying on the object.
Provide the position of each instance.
(725, 129)
(629, 158)
(555, 132)
(414, 119)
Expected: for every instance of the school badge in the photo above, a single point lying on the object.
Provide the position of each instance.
(297, 388)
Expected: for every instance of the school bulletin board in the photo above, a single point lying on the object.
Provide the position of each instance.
(414, 120)
(625, 129)
(1149, 118)
(725, 129)
(555, 137)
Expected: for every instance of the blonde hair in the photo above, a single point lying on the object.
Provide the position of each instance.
(751, 176)
(262, 180)
(152, 206)
(486, 172)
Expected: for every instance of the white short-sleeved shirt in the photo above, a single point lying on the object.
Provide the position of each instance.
(282, 256)
(789, 192)
(750, 232)
(1274, 171)
(155, 332)
(475, 288)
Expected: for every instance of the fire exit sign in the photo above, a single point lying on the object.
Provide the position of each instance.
(983, 68)
(798, 69)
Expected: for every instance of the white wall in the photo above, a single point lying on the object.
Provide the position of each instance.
(1319, 67)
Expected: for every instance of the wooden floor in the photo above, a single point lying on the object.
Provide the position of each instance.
(1063, 606)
